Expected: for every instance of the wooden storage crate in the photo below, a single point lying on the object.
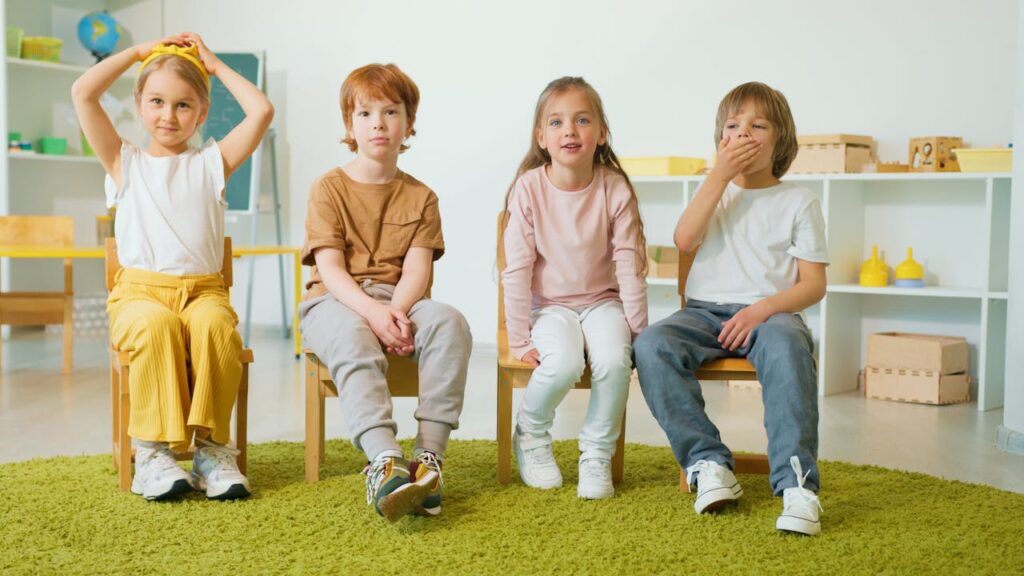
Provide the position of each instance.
(833, 154)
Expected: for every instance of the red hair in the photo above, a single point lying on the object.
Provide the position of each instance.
(378, 82)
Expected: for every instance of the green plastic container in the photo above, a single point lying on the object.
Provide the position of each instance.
(14, 35)
(49, 145)
(86, 148)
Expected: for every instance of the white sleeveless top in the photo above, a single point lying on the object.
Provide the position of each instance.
(170, 210)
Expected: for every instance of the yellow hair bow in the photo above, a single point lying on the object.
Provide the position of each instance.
(190, 53)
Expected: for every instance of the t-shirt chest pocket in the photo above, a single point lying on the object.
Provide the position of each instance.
(397, 230)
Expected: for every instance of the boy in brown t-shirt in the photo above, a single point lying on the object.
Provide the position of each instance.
(372, 233)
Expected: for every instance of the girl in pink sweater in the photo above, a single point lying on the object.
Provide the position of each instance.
(574, 283)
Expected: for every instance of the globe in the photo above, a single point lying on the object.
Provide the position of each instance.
(99, 33)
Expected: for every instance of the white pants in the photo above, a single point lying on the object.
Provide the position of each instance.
(563, 338)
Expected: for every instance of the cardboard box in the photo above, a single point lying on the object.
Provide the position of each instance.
(833, 154)
(934, 154)
(921, 352)
(663, 261)
(663, 166)
(920, 368)
(917, 386)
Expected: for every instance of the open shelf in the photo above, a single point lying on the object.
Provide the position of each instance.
(38, 157)
(73, 69)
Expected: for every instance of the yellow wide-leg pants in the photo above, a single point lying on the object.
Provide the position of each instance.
(185, 368)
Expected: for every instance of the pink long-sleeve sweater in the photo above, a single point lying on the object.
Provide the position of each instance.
(571, 249)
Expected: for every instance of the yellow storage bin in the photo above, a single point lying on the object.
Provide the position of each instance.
(985, 159)
(663, 166)
(41, 48)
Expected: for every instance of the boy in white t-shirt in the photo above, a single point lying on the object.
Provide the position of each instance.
(760, 261)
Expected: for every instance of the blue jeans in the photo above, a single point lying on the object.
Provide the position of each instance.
(668, 354)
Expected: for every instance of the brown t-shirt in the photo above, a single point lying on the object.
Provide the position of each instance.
(373, 224)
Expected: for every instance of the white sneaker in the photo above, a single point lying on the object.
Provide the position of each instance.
(595, 479)
(800, 506)
(214, 470)
(716, 486)
(157, 474)
(537, 466)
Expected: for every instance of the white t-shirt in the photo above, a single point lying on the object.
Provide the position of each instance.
(753, 242)
(170, 210)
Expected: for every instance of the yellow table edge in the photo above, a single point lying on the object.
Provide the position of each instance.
(7, 251)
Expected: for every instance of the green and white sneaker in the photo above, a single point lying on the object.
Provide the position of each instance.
(423, 464)
(389, 489)
(215, 471)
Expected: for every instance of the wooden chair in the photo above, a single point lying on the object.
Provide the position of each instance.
(403, 381)
(514, 373)
(721, 369)
(120, 393)
(36, 308)
(403, 378)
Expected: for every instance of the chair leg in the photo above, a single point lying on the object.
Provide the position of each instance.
(114, 407)
(69, 337)
(241, 420)
(619, 459)
(124, 443)
(314, 422)
(504, 426)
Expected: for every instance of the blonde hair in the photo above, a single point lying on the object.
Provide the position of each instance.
(381, 81)
(775, 108)
(603, 155)
(181, 68)
(187, 72)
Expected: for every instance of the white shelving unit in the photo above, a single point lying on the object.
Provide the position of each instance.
(958, 225)
(37, 103)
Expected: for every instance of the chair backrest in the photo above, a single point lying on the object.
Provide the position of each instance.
(112, 264)
(502, 222)
(685, 263)
(37, 231)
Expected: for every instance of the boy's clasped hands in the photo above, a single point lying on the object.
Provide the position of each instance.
(393, 328)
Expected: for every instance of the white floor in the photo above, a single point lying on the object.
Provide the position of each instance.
(43, 413)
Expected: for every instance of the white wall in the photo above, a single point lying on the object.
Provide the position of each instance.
(893, 70)
(1013, 415)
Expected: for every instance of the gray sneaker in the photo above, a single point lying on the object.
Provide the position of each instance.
(716, 486)
(390, 490)
(157, 474)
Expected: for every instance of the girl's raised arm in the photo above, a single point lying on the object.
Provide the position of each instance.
(244, 138)
(85, 95)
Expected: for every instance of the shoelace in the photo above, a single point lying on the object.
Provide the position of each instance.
(700, 467)
(805, 496)
(222, 456)
(596, 467)
(162, 461)
(374, 473)
(429, 459)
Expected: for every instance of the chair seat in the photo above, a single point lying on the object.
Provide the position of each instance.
(727, 369)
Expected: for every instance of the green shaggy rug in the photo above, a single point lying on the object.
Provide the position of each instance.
(66, 515)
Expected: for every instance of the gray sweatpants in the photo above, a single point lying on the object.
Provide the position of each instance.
(344, 342)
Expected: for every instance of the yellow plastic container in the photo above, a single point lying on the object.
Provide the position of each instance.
(663, 166)
(42, 48)
(874, 273)
(984, 159)
(910, 273)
